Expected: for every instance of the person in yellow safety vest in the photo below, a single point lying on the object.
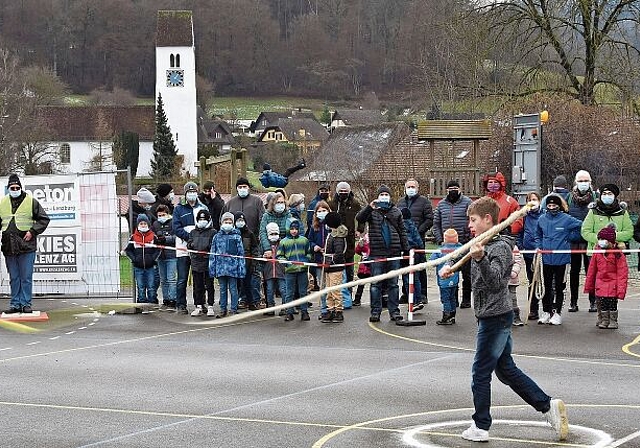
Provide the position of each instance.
(22, 218)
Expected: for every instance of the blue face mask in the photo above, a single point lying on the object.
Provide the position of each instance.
(607, 200)
(15, 193)
(279, 208)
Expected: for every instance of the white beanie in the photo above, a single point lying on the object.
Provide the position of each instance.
(145, 196)
(272, 228)
(343, 186)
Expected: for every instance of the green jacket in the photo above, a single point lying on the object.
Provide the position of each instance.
(600, 216)
(295, 249)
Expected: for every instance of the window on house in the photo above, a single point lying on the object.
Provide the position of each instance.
(65, 153)
(172, 60)
(218, 135)
(177, 60)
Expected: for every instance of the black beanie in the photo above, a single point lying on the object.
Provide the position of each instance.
(554, 199)
(384, 189)
(613, 188)
(163, 190)
(332, 220)
(406, 213)
(14, 180)
(243, 181)
(453, 183)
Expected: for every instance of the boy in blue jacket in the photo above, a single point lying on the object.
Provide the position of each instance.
(553, 232)
(448, 286)
(270, 178)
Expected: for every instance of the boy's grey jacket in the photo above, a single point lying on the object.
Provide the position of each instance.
(490, 278)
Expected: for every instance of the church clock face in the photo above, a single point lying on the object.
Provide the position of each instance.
(175, 78)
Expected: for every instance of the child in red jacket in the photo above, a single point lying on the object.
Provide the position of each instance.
(607, 278)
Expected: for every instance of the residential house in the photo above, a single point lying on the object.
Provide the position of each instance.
(307, 133)
(355, 117)
(214, 133)
(83, 135)
(266, 119)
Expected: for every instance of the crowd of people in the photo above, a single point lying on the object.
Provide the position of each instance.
(259, 251)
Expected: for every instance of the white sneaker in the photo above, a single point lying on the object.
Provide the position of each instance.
(556, 319)
(210, 311)
(544, 318)
(475, 434)
(198, 311)
(557, 417)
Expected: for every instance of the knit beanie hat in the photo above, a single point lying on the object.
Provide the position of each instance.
(238, 215)
(384, 189)
(203, 214)
(406, 213)
(554, 199)
(14, 180)
(560, 182)
(608, 233)
(343, 186)
(295, 224)
(242, 181)
(333, 220)
(163, 190)
(145, 196)
(451, 236)
(227, 215)
(190, 186)
(453, 183)
(613, 188)
(273, 229)
(295, 199)
(142, 218)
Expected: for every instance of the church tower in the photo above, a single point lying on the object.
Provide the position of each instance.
(176, 81)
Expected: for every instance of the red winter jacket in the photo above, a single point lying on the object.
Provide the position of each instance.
(508, 205)
(607, 275)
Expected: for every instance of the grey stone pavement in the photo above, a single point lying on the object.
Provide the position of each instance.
(88, 378)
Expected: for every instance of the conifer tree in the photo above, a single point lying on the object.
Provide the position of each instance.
(164, 149)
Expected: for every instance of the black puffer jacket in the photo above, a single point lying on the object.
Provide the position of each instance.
(377, 218)
(421, 212)
(348, 209)
(200, 240)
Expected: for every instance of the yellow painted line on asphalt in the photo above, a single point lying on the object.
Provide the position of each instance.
(627, 348)
(17, 327)
(548, 358)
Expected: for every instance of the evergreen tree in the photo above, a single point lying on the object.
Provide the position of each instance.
(126, 151)
(326, 116)
(164, 149)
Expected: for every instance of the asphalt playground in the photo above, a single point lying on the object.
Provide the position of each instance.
(97, 375)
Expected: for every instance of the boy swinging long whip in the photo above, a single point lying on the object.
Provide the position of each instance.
(418, 267)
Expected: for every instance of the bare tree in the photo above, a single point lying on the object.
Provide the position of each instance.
(567, 46)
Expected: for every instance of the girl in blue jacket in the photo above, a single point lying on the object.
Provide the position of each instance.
(527, 241)
(553, 232)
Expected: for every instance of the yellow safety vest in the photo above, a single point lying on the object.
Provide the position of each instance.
(23, 215)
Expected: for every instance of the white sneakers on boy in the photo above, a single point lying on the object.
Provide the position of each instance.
(210, 311)
(557, 417)
(198, 311)
(475, 434)
(556, 319)
(544, 318)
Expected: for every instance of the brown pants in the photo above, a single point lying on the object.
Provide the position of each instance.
(334, 298)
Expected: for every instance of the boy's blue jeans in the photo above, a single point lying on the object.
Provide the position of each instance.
(493, 353)
(228, 286)
(272, 284)
(145, 283)
(296, 281)
(168, 271)
(449, 297)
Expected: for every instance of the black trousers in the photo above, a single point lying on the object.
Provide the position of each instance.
(201, 283)
(554, 279)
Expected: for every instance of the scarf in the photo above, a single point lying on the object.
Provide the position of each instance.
(581, 199)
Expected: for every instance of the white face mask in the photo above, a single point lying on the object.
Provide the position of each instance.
(143, 229)
(15, 193)
(604, 244)
(383, 198)
(171, 196)
(411, 191)
(192, 196)
(243, 192)
(322, 215)
(301, 207)
(226, 227)
(583, 186)
(163, 219)
(240, 224)
(273, 238)
(279, 208)
(202, 224)
(607, 199)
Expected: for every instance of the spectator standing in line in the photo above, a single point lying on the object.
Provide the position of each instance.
(527, 241)
(142, 252)
(347, 206)
(167, 267)
(214, 203)
(164, 196)
(451, 213)
(273, 271)
(334, 251)
(578, 200)
(322, 195)
(415, 242)
(247, 203)
(295, 248)
(422, 215)
(387, 239)
(448, 286)
(199, 243)
(184, 221)
(250, 284)
(495, 186)
(22, 219)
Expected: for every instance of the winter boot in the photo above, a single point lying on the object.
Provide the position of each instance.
(613, 320)
(338, 318)
(447, 319)
(593, 308)
(599, 311)
(517, 322)
(604, 322)
(574, 306)
(327, 318)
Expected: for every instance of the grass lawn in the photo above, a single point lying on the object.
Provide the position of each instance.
(248, 108)
(126, 272)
